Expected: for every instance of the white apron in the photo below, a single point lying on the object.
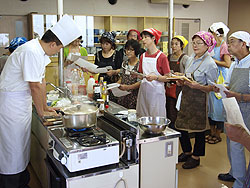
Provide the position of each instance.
(151, 99)
(15, 128)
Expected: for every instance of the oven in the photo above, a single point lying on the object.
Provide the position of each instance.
(118, 175)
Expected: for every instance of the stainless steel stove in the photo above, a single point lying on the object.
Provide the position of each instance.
(83, 149)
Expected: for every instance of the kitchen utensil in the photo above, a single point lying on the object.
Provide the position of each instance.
(153, 125)
(80, 116)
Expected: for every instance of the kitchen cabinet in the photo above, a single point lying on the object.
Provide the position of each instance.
(107, 23)
(39, 145)
(158, 162)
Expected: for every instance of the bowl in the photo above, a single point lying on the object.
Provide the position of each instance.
(153, 125)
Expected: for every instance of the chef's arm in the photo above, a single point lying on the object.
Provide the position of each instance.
(45, 106)
(37, 96)
(226, 61)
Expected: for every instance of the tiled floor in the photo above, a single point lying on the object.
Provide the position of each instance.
(204, 176)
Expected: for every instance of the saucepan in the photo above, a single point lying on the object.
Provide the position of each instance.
(79, 116)
(153, 125)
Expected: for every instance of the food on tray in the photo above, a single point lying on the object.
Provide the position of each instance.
(175, 77)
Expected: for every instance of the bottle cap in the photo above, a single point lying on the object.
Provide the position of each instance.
(106, 106)
(68, 82)
(96, 81)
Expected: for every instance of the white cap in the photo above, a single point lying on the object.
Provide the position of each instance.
(215, 26)
(66, 30)
(242, 35)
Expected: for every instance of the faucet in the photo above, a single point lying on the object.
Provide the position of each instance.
(57, 88)
(67, 93)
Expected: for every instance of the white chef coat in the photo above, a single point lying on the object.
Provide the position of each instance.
(26, 64)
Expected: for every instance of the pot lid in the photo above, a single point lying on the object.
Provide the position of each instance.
(80, 109)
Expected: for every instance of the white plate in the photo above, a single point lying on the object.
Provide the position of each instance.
(124, 112)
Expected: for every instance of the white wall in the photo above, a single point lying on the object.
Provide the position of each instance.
(208, 11)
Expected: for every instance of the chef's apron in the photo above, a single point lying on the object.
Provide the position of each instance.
(15, 128)
(240, 82)
(151, 99)
(193, 110)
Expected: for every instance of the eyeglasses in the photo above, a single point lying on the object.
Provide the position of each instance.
(197, 43)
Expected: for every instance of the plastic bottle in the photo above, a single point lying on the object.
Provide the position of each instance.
(90, 85)
(82, 87)
(75, 82)
(97, 91)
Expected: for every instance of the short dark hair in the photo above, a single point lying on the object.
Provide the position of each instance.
(181, 43)
(105, 39)
(133, 44)
(49, 36)
(220, 31)
(149, 34)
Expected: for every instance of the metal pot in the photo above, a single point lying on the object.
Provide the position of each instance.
(80, 116)
(153, 125)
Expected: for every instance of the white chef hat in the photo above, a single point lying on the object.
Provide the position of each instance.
(219, 25)
(66, 30)
(242, 35)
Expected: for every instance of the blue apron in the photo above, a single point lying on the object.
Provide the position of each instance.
(215, 106)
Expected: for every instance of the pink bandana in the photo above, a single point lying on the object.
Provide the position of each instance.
(208, 38)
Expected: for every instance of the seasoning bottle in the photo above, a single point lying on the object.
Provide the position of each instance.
(104, 91)
(97, 91)
(91, 83)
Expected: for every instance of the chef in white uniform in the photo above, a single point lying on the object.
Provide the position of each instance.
(22, 81)
(154, 64)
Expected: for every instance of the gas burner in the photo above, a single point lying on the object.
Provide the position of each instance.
(93, 140)
(74, 133)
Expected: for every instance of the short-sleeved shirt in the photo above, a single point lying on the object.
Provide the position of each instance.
(243, 63)
(26, 64)
(83, 52)
(206, 72)
(3, 60)
(162, 63)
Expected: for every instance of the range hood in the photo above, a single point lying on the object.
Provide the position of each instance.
(182, 2)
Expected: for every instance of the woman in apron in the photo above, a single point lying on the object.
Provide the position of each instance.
(177, 62)
(154, 64)
(74, 48)
(223, 60)
(128, 83)
(192, 116)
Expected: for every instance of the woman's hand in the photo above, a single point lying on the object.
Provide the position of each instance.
(68, 62)
(215, 89)
(151, 77)
(124, 87)
(113, 72)
(192, 85)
